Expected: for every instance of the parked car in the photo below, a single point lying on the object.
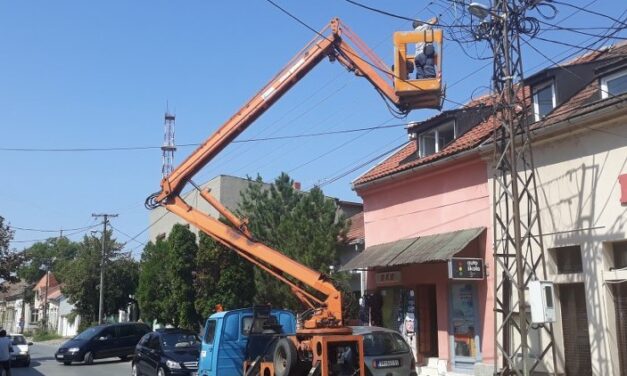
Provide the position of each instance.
(167, 352)
(385, 352)
(21, 350)
(102, 341)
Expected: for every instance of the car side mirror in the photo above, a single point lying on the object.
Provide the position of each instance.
(30, 344)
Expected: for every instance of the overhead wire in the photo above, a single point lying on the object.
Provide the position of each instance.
(248, 140)
(584, 9)
(345, 143)
(374, 66)
(52, 237)
(60, 230)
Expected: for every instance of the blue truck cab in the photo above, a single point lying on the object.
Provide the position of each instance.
(226, 335)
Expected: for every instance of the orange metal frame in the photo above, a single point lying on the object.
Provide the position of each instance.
(326, 300)
(402, 82)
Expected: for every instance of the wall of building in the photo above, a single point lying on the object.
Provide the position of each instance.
(226, 189)
(425, 203)
(579, 193)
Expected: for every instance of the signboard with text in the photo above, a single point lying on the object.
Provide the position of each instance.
(466, 268)
(388, 278)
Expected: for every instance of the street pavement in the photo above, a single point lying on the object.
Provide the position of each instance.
(43, 363)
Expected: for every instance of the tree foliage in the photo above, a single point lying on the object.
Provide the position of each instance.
(222, 277)
(81, 278)
(153, 282)
(57, 253)
(303, 226)
(10, 260)
(179, 303)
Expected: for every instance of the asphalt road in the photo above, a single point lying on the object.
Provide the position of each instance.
(43, 363)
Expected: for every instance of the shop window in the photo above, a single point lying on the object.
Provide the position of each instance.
(568, 259)
(436, 139)
(614, 84)
(543, 100)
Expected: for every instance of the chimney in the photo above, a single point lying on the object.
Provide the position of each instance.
(296, 186)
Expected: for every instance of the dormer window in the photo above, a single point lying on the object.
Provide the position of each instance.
(436, 139)
(543, 100)
(614, 84)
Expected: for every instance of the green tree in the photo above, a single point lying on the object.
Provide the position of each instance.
(81, 279)
(153, 285)
(222, 277)
(55, 252)
(10, 260)
(181, 263)
(303, 226)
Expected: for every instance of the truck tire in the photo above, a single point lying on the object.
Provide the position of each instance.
(285, 357)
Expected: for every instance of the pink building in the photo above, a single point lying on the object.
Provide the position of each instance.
(427, 207)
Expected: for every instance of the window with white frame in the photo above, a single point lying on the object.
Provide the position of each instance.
(34, 315)
(614, 84)
(433, 141)
(543, 100)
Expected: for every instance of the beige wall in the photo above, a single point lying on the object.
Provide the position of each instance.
(226, 189)
(579, 195)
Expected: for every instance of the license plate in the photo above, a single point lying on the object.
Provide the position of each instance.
(388, 363)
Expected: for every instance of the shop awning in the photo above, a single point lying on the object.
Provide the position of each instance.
(423, 249)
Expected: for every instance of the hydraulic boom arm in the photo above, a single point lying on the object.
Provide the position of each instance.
(326, 302)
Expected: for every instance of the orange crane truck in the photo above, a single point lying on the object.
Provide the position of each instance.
(322, 340)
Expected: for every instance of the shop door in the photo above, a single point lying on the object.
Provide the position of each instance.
(426, 314)
(463, 321)
(575, 327)
(619, 292)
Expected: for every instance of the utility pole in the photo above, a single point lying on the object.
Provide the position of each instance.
(44, 321)
(518, 246)
(102, 261)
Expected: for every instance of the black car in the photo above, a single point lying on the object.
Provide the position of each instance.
(102, 341)
(167, 352)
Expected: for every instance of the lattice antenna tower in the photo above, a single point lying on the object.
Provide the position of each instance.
(169, 147)
(518, 245)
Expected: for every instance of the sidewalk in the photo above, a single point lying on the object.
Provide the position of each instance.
(52, 342)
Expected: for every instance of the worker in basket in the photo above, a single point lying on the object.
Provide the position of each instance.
(425, 52)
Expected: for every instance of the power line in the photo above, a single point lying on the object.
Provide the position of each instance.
(355, 168)
(52, 231)
(374, 66)
(589, 11)
(577, 30)
(249, 140)
(52, 237)
(125, 234)
(386, 13)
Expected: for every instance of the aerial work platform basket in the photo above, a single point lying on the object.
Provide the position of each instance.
(423, 92)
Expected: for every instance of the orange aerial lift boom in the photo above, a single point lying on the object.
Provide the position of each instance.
(323, 325)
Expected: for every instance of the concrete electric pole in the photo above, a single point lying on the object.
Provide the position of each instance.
(102, 261)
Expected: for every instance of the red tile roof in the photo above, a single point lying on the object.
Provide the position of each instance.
(406, 157)
(356, 230)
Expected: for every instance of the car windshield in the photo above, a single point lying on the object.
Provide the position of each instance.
(384, 343)
(18, 340)
(172, 341)
(87, 334)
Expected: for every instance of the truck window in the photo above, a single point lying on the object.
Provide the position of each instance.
(210, 331)
(247, 322)
(231, 326)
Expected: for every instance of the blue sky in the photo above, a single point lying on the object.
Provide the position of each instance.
(88, 74)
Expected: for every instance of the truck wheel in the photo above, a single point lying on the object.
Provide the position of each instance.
(284, 357)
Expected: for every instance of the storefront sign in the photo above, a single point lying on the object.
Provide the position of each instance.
(465, 268)
(388, 278)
